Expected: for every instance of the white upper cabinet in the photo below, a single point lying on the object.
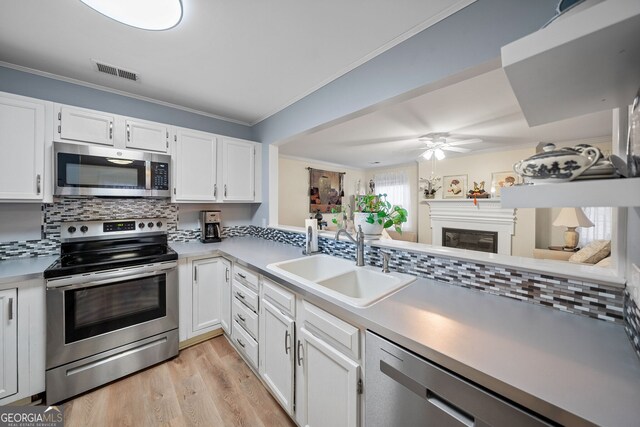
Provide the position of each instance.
(147, 136)
(237, 165)
(195, 166)
(80, 124)
(22, 141)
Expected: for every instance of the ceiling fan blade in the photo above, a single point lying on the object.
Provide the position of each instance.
(456, 149)
(455, 142)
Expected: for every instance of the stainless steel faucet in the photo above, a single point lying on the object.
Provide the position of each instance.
(359, 241)
(386, 256)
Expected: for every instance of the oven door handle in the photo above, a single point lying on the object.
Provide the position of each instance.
(84, 281)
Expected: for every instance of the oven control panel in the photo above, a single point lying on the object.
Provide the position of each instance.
(95, 229)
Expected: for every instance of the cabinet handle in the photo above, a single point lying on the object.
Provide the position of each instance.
(128, 134)
(225, 190)
(195, 273)
(287, 345)
(215, 190)
(110, 130)
(300, 348)
(226, 275)
(242, 275)
(240, 342)
(38, 180)
(10, 308)
(239, 295)
(241, 317)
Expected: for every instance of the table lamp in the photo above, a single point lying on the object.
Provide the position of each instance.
(572, 218)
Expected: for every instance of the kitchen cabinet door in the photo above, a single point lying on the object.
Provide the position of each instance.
(206, 287)
(148, 136)
(276, 353)
(195, 167)
(326, 384)
(79, 124)
(225, 297)
(22, 139)
(238, 170)
(8, 343)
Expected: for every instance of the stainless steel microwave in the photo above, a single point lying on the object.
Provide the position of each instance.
(85, 170)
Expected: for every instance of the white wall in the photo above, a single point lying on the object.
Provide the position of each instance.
(293, 188)
(412, 172)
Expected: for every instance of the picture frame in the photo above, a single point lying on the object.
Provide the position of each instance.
(326, 190)
(455, 186)
(500, 180)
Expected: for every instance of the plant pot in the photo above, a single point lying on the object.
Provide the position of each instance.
(371, 231)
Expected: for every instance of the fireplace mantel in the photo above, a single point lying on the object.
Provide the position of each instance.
(487, 215)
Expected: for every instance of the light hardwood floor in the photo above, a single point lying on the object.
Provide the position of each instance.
(206, 385)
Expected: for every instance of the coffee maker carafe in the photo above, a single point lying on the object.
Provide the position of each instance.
(210, 228)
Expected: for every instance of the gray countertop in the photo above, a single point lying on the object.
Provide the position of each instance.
(24, 268)
(571, 369)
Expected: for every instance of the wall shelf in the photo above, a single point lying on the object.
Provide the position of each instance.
(617, 193)
(584, 62)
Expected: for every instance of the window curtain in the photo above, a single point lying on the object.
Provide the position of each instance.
(396, 186)
(602, 219)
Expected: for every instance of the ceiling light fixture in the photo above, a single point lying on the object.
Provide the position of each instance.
(439, 153)
(427, 154)
(153, 15)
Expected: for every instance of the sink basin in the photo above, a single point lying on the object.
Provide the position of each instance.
(342, 279)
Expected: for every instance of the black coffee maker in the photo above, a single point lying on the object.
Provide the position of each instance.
(210, 228)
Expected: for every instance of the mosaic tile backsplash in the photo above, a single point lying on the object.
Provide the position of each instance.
(580, 297)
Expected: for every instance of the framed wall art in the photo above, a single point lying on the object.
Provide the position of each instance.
(500, 180)
(454, 186)
(326, 189)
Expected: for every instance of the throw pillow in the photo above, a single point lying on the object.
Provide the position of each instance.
(605, 263)
(593, 252)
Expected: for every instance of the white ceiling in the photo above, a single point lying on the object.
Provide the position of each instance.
(242, 60)
(479, 107)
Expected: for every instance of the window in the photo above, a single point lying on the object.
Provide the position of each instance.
(396, 186)
(602, 219)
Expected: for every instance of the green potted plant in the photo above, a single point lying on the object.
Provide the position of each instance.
(374, 213)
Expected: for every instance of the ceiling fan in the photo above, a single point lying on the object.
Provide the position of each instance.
(437, 143)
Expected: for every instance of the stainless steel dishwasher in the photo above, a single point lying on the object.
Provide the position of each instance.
(402, 389)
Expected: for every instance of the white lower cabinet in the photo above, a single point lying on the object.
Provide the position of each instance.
(277, 353)
(328, 382)
(206, 291)
(225, 298)
(202, 283)
(22, 340)
(8, 343)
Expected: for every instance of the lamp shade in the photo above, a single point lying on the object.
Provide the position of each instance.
(572, 217)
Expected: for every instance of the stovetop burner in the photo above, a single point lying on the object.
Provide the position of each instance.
(109, 245)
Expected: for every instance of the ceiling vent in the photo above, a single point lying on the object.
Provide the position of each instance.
(115, 71)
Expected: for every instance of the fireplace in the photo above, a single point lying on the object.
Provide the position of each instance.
(475, 240)
(487, 216)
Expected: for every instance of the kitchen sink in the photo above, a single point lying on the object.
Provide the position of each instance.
(342, 279)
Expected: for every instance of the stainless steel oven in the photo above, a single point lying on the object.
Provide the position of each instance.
(107, 320)
(85, 170)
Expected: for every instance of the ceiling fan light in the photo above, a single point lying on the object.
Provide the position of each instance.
(439, 154)
(427, 154)
(145, 14)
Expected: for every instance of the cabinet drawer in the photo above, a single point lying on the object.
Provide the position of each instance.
(246, 295)
(336, 332)
(246, 277)
(245, 317)
(247, 345)
(279, 296)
